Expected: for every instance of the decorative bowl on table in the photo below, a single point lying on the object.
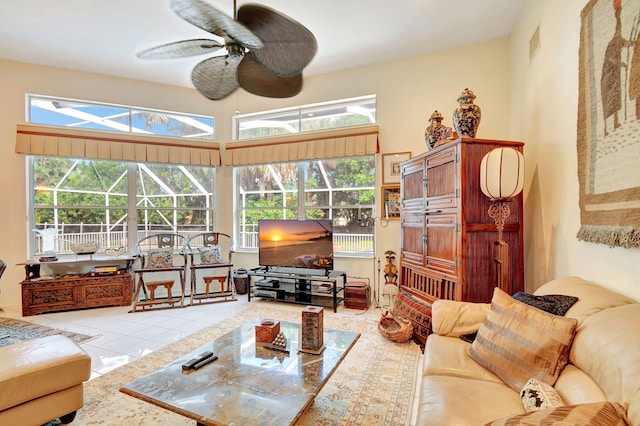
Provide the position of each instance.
(90, 247)
(114, 251)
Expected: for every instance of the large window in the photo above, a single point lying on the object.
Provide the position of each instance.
(115, 203)
(307, 118)
(89, 200)
(339, 189)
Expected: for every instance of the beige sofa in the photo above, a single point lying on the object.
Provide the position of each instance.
(603, 362)
(42, 380)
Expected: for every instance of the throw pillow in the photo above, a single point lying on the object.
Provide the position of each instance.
(597, 413)
(415, 310)
(210, 254)
(557, 304)
(469, 338)
(516, 342)
(537, 395)
(159, 258)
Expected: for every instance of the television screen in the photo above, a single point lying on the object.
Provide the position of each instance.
(296, 243)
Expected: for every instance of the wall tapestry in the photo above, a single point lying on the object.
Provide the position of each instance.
(609, 123)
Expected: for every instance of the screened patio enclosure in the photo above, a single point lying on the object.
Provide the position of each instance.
(93, 201)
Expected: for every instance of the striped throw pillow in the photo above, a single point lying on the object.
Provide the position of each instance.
(597, 413)
(516, 342)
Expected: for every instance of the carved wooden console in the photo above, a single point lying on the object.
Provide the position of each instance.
(75, 290)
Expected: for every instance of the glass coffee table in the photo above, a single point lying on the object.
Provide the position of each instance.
(248, 384)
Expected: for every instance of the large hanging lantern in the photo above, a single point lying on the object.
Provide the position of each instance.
(502, 173)
(501, 179)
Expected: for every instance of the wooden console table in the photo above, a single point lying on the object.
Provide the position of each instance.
(75, 290)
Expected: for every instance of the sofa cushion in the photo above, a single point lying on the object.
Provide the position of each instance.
(597, 413)
(40, 367)
(633, 411)
(576, 387)
(517, 342)
(537, 395)
(453, 318)
(447, 356)
(606, 348)
(592, 298)
(455, 401)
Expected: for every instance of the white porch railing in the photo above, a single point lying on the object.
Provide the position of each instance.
(343, 243)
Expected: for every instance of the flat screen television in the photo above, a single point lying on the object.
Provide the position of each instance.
(296, 243)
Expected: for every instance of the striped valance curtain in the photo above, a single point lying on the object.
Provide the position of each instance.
(344, 142)
(37, 139)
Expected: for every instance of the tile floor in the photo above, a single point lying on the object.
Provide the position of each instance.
(122, 337)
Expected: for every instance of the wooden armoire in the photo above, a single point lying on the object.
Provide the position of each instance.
(447, 247)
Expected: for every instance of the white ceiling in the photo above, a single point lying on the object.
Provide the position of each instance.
(104, 36)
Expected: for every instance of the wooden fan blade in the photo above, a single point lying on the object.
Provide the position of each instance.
(288, 45)
(216, 78)
(181, 49)
(208, 18)
(257, 79)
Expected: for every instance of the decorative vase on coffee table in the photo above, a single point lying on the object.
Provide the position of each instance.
(466, 118)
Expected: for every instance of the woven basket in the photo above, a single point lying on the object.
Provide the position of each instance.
(396, 329)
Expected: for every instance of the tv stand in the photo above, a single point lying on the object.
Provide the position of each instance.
(306, 287)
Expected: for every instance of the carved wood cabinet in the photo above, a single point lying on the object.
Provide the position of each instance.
(447, 239)
(75, 293)
(76, 290)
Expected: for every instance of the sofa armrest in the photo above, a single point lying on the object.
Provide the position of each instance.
(454, 319)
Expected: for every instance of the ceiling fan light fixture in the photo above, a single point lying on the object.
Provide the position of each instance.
(266, 51)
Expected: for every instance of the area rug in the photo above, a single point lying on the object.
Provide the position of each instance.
(374, 384)
(14, 330)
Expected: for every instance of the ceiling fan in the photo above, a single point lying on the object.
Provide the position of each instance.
(266, 51)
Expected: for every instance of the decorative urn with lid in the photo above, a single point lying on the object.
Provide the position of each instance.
(433, 133)
(466, 118)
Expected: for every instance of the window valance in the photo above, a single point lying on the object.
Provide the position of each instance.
(343, 142)
(36, 139)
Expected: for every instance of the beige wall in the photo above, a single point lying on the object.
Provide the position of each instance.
(544, 101)
(533, 103)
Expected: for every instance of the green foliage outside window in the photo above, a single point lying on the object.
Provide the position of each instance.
(81, 196)
(339, 189)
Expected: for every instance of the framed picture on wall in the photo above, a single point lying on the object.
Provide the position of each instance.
(391, 166)
(390, 202)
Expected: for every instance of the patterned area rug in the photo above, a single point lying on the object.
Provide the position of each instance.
(374, 384)
(14, 330)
